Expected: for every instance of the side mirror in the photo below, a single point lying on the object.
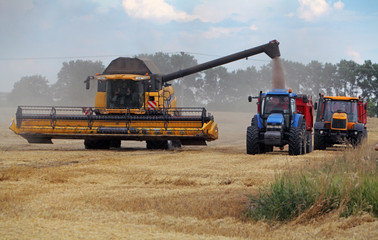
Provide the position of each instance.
(316, 106)
(87, 84)
(249, 98)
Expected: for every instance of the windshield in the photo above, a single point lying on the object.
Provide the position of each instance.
(123, 94)
(348, 107)
(276, 104)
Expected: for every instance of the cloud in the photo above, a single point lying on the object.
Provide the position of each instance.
(253, 27)
(310, 9)
(354, 55)
(158, 10)
(338, 5)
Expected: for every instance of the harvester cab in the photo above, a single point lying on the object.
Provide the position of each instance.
(133, 102)
(283, 118)
(340, 120)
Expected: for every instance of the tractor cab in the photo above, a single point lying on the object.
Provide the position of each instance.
(277, 108)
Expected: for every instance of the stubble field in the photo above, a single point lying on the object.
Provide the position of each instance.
(63, 191)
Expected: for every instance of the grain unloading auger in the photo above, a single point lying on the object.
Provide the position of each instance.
(133, 102)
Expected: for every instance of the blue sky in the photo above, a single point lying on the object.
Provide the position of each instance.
(39, 35)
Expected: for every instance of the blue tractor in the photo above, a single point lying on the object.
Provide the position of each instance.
(283, 118)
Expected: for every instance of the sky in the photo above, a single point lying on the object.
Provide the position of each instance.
(37, 36)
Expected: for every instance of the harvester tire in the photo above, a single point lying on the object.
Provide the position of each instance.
(253, 145)
(319, 142)
(158, 144)
(296, 141)
(96, 144)
(176, 143)
(115, 143)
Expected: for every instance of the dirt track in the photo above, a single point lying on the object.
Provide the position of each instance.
(63, 191)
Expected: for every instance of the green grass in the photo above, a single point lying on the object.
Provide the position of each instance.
(348, 185)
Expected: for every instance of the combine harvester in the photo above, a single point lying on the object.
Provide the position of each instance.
(133, 102)
(340, 120)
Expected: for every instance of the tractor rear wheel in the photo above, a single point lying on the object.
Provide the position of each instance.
(253, 145)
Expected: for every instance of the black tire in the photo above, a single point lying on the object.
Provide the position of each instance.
(357, 140)
(176, 143)
(319, 142)
(115, 143)
(296, 141)
(309, 142)
(253, 145)
(158, 144)
(96, 144)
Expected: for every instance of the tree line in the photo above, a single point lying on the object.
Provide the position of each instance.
(217, 89)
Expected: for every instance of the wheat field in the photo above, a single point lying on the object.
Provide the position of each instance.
(62, 191)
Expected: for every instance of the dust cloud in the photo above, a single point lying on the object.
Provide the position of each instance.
(278, 76)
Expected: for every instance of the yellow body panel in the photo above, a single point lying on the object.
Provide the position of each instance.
(342, 117)
(100, 100)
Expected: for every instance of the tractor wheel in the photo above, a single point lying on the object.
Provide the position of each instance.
(296, 141)
(309, 142)
(319, 142)
(96, 144)
(159, 144)
(356, 140)
(253, 145)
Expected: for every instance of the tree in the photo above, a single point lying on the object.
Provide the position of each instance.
(31, 90)
(70, 87)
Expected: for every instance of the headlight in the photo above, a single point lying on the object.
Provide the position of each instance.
(273, 127)
(321, 131)
(355, 132)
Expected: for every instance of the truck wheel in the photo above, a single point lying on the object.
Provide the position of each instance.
(319, 142)
(253, 145)
(304, 137)
(96, 144)
(295, 141)
(309, 142)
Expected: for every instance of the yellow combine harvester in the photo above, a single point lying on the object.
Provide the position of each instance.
(133, 102)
